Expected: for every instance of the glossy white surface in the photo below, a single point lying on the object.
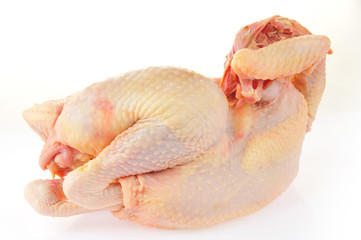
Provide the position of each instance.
(50, 50)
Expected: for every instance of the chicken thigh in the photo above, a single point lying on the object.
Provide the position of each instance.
(169, 148)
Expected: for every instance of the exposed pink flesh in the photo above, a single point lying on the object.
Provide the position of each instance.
(256, 36)
(251, 89)
(64, 158)
(62, 155)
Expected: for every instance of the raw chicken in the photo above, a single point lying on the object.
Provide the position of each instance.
(169, 148)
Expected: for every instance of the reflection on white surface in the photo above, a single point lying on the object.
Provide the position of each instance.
(51, 49)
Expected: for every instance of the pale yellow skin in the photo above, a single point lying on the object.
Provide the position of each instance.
(161, 146)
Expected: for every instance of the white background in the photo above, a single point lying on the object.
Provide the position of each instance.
(50, 49)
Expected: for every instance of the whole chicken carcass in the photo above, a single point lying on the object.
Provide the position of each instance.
(169, 148)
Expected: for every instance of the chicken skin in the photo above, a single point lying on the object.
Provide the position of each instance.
(169, 148)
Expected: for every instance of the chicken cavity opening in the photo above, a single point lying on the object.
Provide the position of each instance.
(245, 90)
(255, 36)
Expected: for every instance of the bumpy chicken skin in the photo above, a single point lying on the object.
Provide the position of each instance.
(170, 148)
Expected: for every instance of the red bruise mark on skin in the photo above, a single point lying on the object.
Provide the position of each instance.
(105, 106)
(106, 111)
(238, 136)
